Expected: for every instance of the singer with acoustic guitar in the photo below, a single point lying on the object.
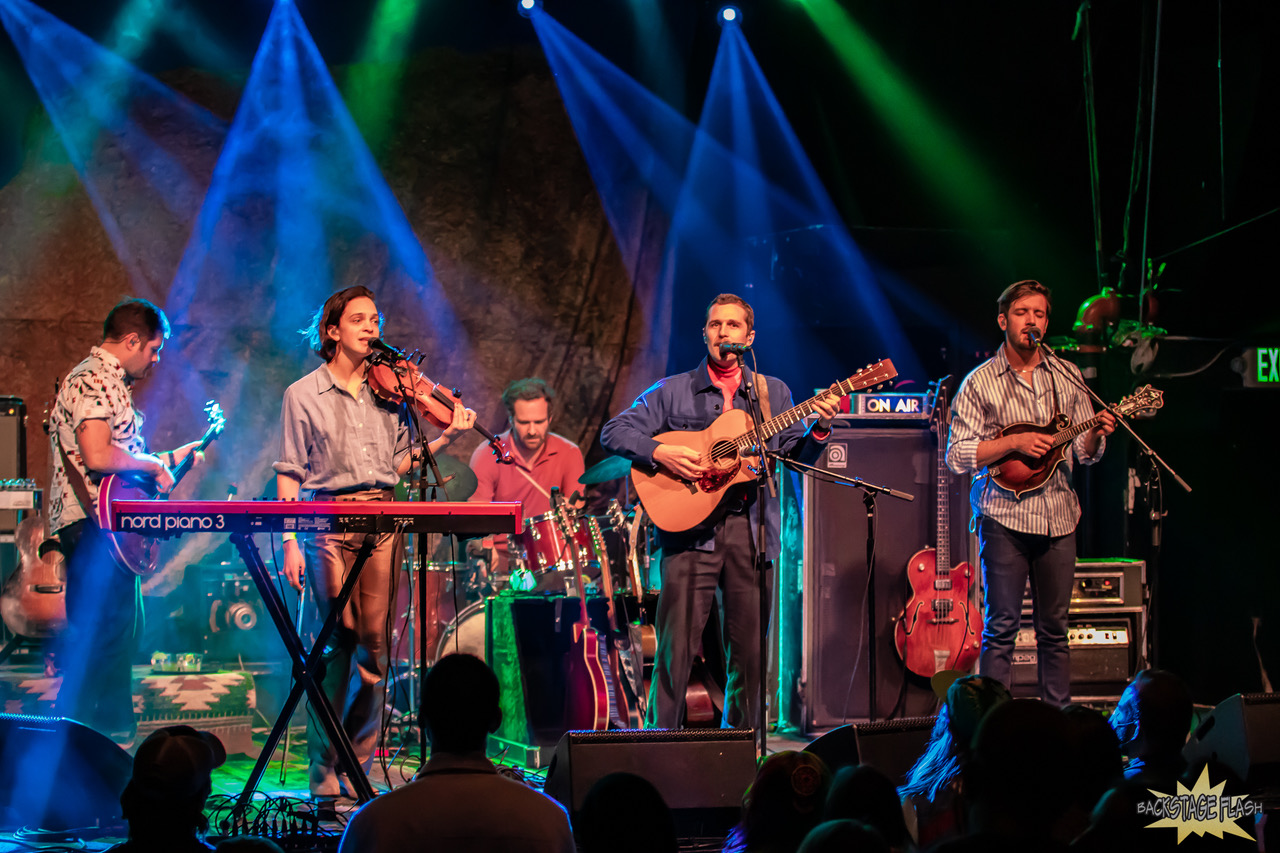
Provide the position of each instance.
(1025, 532)
(713, 559)
(94, 430)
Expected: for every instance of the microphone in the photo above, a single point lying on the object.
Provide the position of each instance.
(1034, 334)
(734, 349)
(377, 345)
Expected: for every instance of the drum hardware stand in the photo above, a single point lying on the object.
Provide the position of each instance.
(869, 493)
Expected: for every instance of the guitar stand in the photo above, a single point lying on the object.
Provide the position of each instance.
(306, 666)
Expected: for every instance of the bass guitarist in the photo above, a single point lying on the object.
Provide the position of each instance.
(94, 430)
(1031, 534)
(714, 560)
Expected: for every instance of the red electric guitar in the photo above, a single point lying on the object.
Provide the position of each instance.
(586, 686)
(134, 552)
(939, 628)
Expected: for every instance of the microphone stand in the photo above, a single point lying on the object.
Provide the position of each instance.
(763, 483)
(869, 493)
(420, 485)
(1156, 517)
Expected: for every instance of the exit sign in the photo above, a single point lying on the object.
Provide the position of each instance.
(1262, 367)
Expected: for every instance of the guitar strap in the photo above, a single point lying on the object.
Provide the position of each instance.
(762, 389)
(78, 485)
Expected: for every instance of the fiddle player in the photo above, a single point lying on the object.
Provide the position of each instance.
(714, 560)
(342, 442)
(94, 430)
(1032, 535)
(543, 460)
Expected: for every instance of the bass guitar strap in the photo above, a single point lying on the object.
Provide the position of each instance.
(78, 485)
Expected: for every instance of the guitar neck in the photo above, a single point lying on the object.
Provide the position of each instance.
(189, 460)
(793, 415)
(942, 563)
(1063, 436)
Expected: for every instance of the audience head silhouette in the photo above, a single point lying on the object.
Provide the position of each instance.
(164, 800)
(460, 704)
(1151, 721)
(649, 827)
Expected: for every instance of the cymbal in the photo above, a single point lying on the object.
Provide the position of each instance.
(612, 468)
(462, 486)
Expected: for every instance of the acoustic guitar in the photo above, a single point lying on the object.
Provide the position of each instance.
(622, 658)
(34, 602)
(939, 628)
(1021, 474)
(727, 449)
(133, 552)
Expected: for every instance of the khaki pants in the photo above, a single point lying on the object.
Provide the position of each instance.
(355, 658)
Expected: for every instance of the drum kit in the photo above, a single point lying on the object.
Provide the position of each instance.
(538, 558)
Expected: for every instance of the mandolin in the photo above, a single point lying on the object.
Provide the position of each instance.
(1021, 474)
(728, 452)
(939, 628)
(134, 552)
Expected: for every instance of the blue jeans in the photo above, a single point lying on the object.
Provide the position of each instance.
(1008, 558)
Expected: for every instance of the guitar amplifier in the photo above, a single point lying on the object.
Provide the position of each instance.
(1105, 653)
(1103, 585)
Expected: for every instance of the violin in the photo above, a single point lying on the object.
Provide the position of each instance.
(397, 379)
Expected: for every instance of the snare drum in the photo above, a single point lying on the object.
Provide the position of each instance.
(468, 629)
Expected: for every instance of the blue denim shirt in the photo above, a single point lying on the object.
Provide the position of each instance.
(691, 402)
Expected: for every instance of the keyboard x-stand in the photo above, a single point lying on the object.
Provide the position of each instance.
(241, 519)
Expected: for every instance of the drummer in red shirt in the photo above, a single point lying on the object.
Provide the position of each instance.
(543, 460)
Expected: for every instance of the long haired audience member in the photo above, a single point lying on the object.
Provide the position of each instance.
(164, 800)
(1016, 781)
(931, 797)
(783, 803)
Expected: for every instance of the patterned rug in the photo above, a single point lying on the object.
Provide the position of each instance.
(220, 702)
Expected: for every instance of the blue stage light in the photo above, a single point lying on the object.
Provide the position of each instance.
(528, 7)
(730, 15)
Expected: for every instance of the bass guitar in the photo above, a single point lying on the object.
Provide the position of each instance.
(133, 552)
(1021, 474)
(939, 628)
(728, 451)
(587, 688)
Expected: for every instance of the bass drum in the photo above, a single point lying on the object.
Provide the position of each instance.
(465, 634)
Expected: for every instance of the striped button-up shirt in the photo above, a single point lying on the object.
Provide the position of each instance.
(991, 398)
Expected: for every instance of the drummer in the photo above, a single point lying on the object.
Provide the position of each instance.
(543, 461)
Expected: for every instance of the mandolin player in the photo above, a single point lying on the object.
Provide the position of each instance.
(1024, 532)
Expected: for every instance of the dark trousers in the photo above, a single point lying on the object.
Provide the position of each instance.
(692, 582)
(1008, 559)
(96, 652)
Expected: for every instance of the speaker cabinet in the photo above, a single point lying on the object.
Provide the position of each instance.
(1243, 732)
(837, 631)
(13, 452)
(892, 747)
(700, 773)
(58, 774)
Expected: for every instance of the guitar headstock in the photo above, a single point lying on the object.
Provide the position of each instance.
(217, 420)
(869, 377)
(1145, 399)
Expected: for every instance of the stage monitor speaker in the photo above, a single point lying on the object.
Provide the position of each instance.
(700, 773)
(1243, 732)
(892, 746)
(58, 774)
(836, 636)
